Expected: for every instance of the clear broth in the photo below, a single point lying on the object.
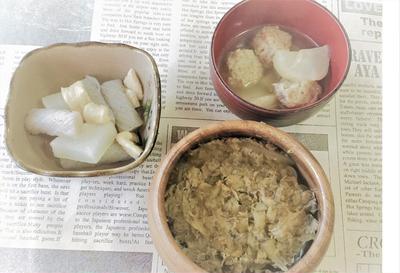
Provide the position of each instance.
(270, 76)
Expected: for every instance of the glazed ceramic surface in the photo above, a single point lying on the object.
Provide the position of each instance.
(43, 71)
(305, 16)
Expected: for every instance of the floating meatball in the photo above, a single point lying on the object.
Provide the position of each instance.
(267, 41)
(244, 68)
(295, 94)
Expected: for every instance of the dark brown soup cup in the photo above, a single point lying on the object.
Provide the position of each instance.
(305, 16)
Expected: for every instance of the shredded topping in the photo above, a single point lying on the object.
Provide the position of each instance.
(236, 205)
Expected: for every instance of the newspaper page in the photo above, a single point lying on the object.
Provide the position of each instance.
(109, 213)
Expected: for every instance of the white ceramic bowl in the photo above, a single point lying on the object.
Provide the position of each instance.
(43, 71)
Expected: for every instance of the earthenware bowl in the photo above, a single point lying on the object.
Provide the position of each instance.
(171, 253)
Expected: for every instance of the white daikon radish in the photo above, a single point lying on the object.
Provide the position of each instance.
(76, 96)
(126, 140)
(134, 137)
(88, 146)
(269, 101)
(92, 87)
(126, 117)
(303, 65)
(55, 101)
(132, 82)
(53, 122)
(295, 94)
(97, 113)
(114, 154)
(132, 97)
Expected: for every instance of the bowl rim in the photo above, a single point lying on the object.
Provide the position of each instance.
(85, 173)
(283, 111)
(305, 162)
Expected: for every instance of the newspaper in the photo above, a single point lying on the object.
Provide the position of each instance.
(109, 213)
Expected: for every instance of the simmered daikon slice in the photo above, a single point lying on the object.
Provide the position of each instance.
(76, 96)
(132, 97)
(53, 122)
(97, 113)
(134, 137)
(92, 87)
(88, 146)
(126, 117)
(114, 154)
(127, 141)
(132, 82)
(55, 101)
(304, 65)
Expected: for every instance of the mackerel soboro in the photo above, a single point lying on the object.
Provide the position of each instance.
(236, 205)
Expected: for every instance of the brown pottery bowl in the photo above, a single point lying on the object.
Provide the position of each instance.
(175, 259)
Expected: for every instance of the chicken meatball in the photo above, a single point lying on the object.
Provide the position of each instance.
(267, 41)
(295, 94)
(244, 68)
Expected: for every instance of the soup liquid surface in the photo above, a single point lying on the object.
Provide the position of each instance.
(270, 76)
